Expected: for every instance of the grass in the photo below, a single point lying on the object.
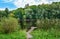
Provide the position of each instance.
(37, 34)
(49, 34)
(14, 35)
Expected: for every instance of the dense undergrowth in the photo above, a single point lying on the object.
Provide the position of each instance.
(37, 34)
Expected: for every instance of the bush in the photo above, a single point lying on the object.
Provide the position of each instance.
(48, 23)
(8, 25)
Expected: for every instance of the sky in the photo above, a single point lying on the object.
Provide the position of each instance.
(14, 4)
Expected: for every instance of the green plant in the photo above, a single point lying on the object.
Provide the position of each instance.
(14, 35)
(8, 25)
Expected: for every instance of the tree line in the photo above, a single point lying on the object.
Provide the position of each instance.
(29, 15)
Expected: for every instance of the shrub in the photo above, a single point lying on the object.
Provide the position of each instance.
(48, 23)
(8, 25)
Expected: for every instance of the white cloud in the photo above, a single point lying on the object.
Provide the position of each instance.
(18, 3)
(2, 8)
(56, 0)
(21, 3)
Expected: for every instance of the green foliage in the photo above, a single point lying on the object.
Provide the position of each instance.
(8, 25)
(14, 35)
(40, 12)
(48, 24)
(34, 13)
(2, 14)
(7, 12)
(37, 34)
(45, 17)
(49, 34)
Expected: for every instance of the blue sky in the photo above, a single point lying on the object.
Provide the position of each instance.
(13, 4)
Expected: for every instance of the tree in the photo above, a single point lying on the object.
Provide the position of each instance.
(6, 11)
(19, 14)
